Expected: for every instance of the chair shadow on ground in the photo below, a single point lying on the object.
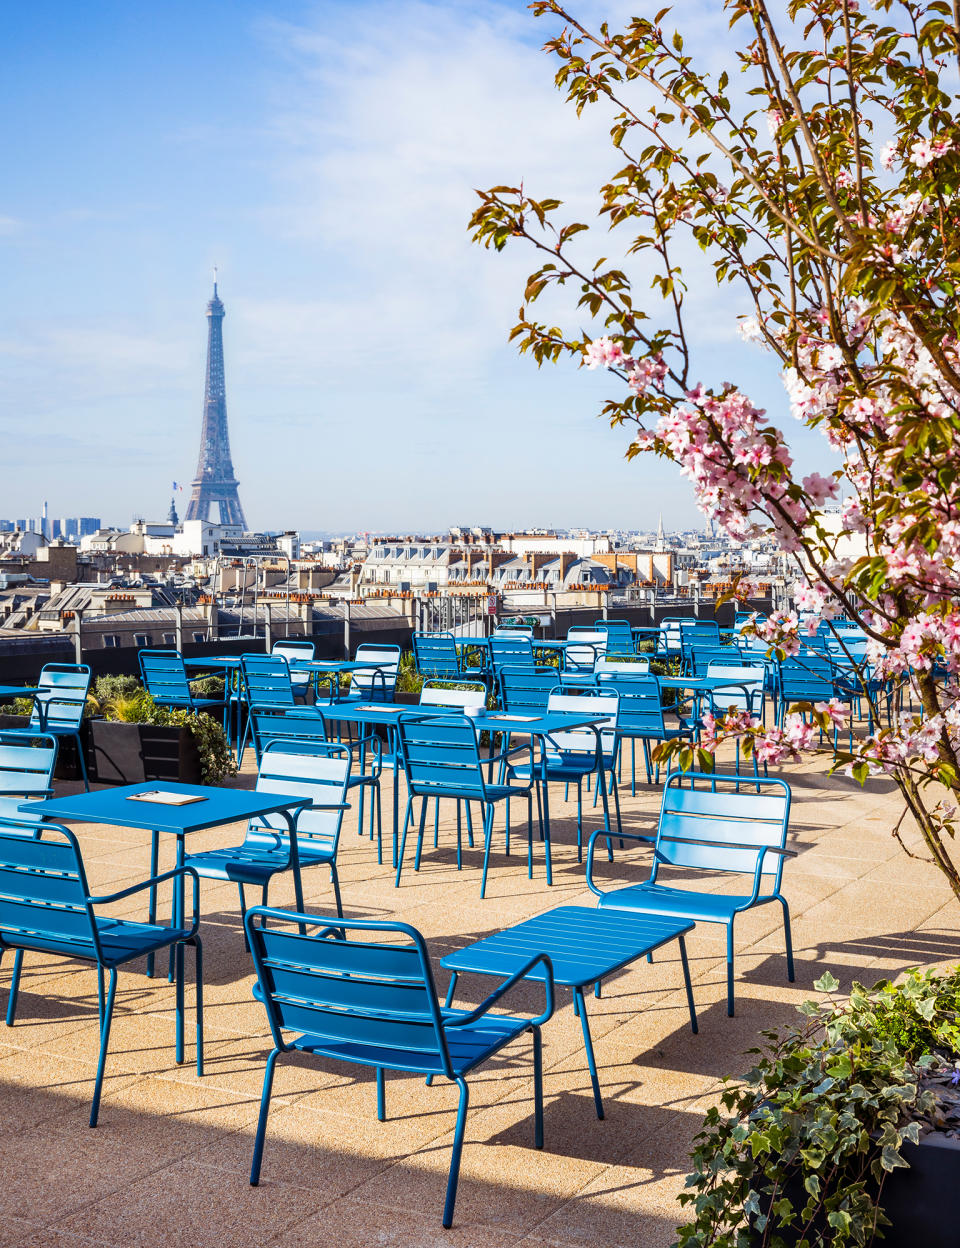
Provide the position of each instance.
(517, 1205)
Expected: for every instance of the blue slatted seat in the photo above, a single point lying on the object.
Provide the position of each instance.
(376, 1004)
(718, 830)
(524, 690)
(57, 709)
(511, 651)
(436, 656)
(441, 759)
(641, 716)
(374, 684)
(292, 651)
(46, 906)
(580, 753)
(320, 770)
(165, 679)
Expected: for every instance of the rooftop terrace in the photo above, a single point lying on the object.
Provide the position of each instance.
(169, 1162)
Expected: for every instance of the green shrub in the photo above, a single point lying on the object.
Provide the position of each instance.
(803, 1143)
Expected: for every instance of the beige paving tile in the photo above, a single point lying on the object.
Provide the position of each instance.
(359, 1224)
(196, 1207)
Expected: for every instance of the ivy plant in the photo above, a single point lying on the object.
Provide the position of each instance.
(801, 1147)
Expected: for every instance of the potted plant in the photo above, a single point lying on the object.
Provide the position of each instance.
(132, 739)
(846, 1126)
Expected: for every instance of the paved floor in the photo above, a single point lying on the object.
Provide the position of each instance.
(168, 1164)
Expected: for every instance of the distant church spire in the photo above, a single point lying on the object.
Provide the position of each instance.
(661, 536)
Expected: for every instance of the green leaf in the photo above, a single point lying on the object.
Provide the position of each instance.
(826, 983)
(890, 1159)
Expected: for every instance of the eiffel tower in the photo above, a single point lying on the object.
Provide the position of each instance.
(215, 481)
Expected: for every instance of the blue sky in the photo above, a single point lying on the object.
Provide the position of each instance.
(323, 156)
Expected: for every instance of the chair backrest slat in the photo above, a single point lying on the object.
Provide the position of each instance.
(717, 813)
(292, 651)
(471, 697)
(319, 770)
(441, 756)
(345, 991)
(164, 676)
(526, 689)
(63, 692)
(43, 888)
(266, 680)
(26, 772)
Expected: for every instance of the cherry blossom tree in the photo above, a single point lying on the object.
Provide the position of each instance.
(820, 181)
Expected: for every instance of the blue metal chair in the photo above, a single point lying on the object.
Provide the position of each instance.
(591, 644)
(292, 651)
(619, 636)
(375, 1004)
(165, 679)
(46, 907)
(58, 706)
(577, 754)
(806, 678)
(318, 769)
(267, 686)
(26, 773)
(720, 830)
(374, 684)
(436, 655)
(642, 718)
(511, 652)
(527, 691)
(441, 759)
(699, 655)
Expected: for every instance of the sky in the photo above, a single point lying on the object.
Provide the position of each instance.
(324, 157)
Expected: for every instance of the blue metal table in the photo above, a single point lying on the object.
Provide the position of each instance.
(332, 670)
(17, 691)
(217, 807)
(584, 949)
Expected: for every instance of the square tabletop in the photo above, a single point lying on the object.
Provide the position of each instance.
(218, 806)
(584, 944)
(17, 691)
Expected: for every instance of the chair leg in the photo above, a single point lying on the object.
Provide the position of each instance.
(104, 1041)
(101, 997)
(581, 1009)
(381, 1096)
(730, 969)
(469, 826)
(83, 762)
(487, 842)
(787, 937)
(403, 840)
(152, 896)
(423, 823)
(537, 1088)
(335, 881)
(262, 1121)
(379, 828)
(454, 1176)
(694, 1026)
(14, 987)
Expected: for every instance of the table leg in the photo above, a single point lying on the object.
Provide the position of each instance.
(580, 1006)
(686, 981)
(395, 738)
(152, 904)
(546, 811)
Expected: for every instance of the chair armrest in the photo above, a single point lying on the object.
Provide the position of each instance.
(488, 1002)
(602, 832)
(152, 882)
(759, 849)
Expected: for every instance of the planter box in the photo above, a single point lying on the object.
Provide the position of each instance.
(921, 1202)
(121, 753)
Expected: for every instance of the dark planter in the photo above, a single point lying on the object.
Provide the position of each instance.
(921, 1202)
(68, 761)
(122, 753)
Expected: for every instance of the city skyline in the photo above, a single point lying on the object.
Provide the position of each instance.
(367, 339)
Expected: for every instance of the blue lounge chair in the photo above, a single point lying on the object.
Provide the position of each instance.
(718, 830)
(58, 706)
(46, 907)
(320, 770)
(376, 1004)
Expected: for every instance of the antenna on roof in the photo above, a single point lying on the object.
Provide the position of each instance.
(214, 281)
